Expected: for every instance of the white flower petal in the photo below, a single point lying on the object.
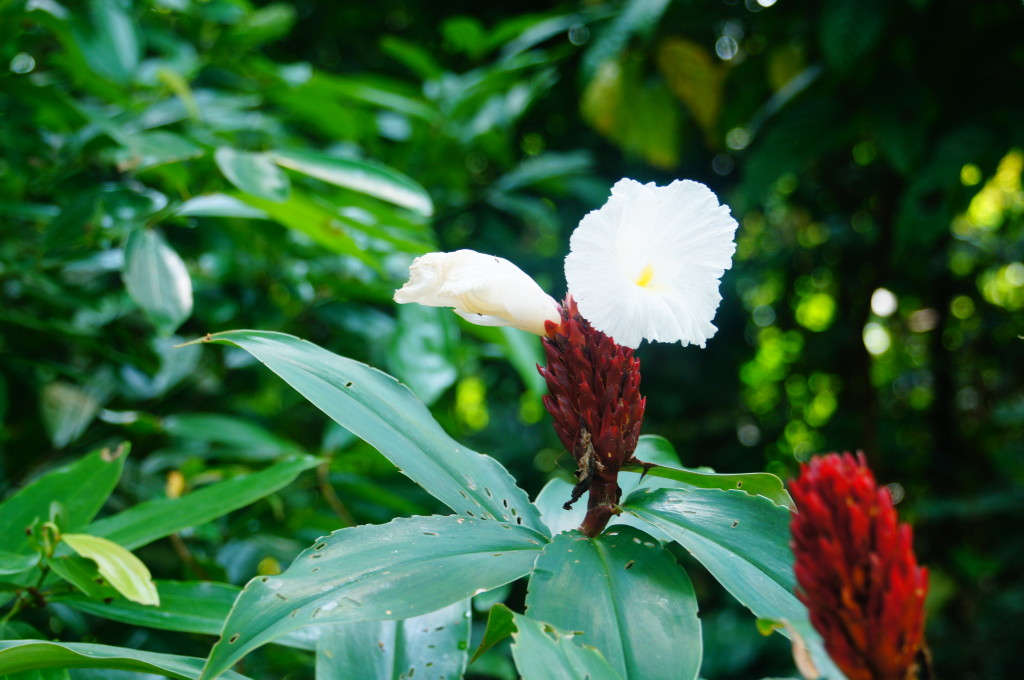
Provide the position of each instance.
(483, 289)
(647, 264)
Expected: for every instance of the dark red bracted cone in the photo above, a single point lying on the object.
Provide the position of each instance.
(594, 399)
(856, 569)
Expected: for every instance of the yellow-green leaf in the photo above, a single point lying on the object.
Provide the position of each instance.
(122, 570)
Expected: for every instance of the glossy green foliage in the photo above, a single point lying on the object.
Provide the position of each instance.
(544, 652)
(32, 655)
(377, 572)
(432, 645)
(379, 410)
(743, 541)
(623, 594)
(146, 522)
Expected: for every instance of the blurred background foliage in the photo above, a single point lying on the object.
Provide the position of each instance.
(177, 167)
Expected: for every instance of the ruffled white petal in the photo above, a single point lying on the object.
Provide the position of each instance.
(647, 264)
(483, 289)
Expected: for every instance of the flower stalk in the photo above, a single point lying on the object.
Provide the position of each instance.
(596, 406)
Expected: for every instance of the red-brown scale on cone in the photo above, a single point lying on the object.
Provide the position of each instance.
(595, 402)
(856, 569)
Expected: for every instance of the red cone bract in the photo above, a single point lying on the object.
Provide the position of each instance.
(856, 569)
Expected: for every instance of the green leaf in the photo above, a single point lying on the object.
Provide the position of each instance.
(123, 571)
(156, 278)
(379, 410)
(625, 595)
(68, 409)
(14, 563)
(185, 606)
(405, 568)
(82, 487)
(144, 523)
(151, 149)
(423, 350)
(324, 226)
(27, 655)
(743, 541)
(638, 17)
(849, 30)
(114, 47)
(189, 607)
(429, 646)
(219, 205)
(542, 652)
(253, 173)
(83, 574)
(652, 447)
(230, 431)
(372, 179)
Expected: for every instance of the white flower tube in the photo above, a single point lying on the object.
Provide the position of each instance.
(483, 289)
(647, 264)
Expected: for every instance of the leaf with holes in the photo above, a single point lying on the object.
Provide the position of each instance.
(541, 651)
(408, 567)
(627, 596)
(429, 646)
(742, 540)
(384, 413)
(30, 655)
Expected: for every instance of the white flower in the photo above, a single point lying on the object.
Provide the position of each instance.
(647, 264)
(483, 289)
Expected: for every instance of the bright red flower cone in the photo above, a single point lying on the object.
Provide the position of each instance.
(594, 399)
(856, 570)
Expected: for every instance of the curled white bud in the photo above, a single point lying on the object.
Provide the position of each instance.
(482, 289)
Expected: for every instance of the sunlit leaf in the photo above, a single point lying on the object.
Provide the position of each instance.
(123, 571)
(367, 177)
(253, 173)
(156, 278)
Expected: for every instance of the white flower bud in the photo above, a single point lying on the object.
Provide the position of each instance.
(482, 289)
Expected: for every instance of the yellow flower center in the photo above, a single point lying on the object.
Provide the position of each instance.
(646, 275)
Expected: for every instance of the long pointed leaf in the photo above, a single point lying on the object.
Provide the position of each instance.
(372, 179)
(405, 568)
(384, 413)
(146, 522)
